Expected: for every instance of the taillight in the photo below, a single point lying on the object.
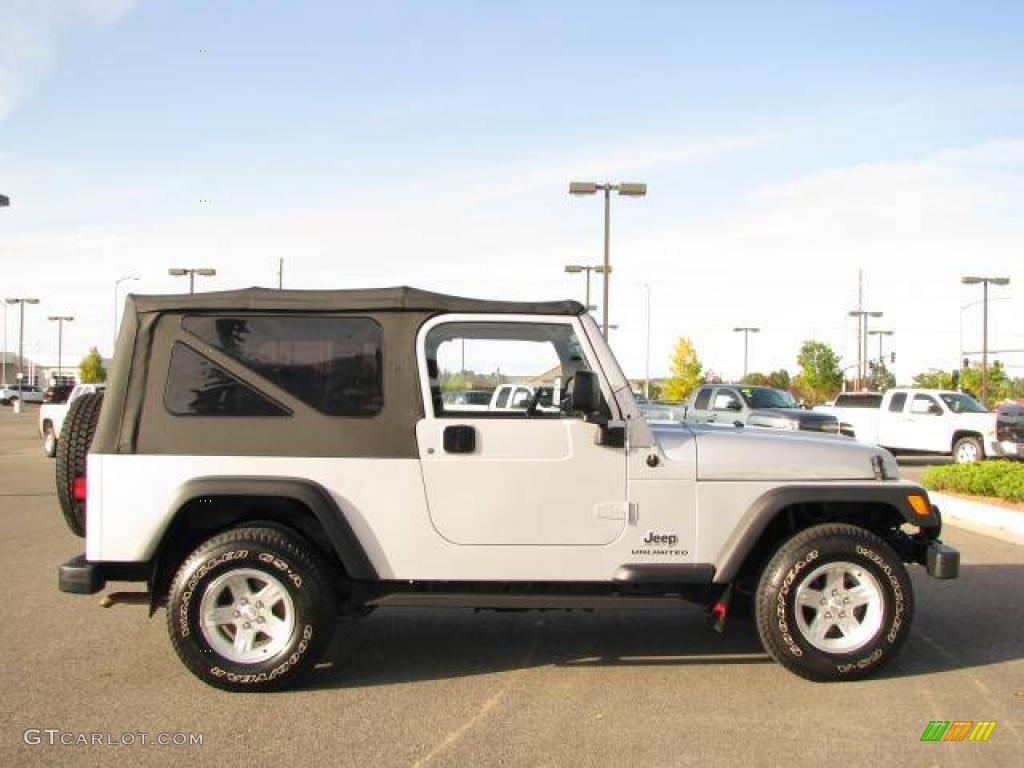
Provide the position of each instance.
(78, 490)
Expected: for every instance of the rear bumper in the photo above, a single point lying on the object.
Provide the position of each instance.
(1006, 449)
(79, 576)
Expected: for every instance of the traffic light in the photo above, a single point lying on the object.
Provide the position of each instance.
(892, 357)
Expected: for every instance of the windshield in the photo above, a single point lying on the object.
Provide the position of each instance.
(758, 397)
(960, 403)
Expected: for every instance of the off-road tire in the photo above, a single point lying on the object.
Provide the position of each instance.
(288, 561)
(789, 572)
(72, 448)
(963, 446)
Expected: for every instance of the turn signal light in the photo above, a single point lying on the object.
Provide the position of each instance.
(920, 505)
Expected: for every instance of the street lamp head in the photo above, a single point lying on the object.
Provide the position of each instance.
(572, 269)
(206, 272)
(1000, 281)
(600, 270)
(632, 189)
(65, 318)
(177, 272)
(874, 314)
(582, 188)
(4, 201)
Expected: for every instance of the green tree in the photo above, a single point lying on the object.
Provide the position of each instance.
(820, 376)
(934, 379)
(780, 379)
(880, 378)
(756, 379)
(91, 370)
(686, 369)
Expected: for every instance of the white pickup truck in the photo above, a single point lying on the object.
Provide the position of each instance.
(51, 416)
(919, 420)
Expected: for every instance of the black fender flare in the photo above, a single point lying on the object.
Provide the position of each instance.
(306, 492)
(764, 509)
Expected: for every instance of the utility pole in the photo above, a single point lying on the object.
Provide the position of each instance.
(647, 354)
(280, 274)
(971, 280)
(21, 302)
(862, 316)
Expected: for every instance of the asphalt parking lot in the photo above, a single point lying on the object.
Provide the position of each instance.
(453, 688)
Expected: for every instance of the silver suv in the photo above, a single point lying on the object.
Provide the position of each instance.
(265, 461)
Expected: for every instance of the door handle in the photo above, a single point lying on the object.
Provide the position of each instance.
(712, 418)
(459, 438)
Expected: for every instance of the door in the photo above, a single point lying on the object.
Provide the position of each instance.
(525, 475)
(726, 407)
(926, 425)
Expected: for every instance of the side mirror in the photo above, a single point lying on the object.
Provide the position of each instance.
(585, 394)
(734, 406)
(934, 410)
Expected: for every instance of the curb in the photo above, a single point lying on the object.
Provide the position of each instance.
(980, 518)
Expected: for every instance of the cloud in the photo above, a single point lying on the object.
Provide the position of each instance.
(30, 35)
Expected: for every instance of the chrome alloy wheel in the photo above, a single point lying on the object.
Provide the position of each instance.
(967, 452)
(247, 616)
(839, 607)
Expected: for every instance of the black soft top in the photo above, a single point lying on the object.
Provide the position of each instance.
(359, 300)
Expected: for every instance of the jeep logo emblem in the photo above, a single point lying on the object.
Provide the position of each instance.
(661, 538)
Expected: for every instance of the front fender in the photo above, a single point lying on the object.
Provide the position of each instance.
(766, 507)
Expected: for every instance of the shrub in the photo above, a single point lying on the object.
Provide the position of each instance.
(1001, 479)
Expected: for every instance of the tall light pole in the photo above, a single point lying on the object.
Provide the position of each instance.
(880, 334)
(746, 331)
(192, 272)
(630, 189)
(117, 284)
(60, 320)
(577, 268)
(21, 302)
(985, 281)
(862, 316)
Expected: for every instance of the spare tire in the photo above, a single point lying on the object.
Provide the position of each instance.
(72, 448)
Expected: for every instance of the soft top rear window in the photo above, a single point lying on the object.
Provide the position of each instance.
(332, 364)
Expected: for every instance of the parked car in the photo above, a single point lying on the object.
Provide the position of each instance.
(58, 393)
(920, 421)
(1009, 442)
(468, 399)
(51, 416)
(264, 460)
(748, 406)
(23, 392)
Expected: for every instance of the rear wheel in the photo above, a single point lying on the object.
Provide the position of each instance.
(834, 603)
(72, 448)
(252, 609)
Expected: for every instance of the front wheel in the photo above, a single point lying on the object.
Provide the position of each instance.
(252, 609)
(834, 603)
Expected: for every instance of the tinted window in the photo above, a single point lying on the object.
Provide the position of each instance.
(859, 401)
(330, 363)
(198, 387)
(959, 403)
(703, 398)
(897, 402)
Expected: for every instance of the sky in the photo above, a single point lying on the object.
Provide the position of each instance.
(785, 147)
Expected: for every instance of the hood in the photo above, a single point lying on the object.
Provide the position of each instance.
(747, 454)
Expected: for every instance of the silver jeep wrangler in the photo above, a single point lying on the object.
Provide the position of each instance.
(266, 461)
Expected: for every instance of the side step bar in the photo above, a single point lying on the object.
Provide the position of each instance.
(523, 602)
